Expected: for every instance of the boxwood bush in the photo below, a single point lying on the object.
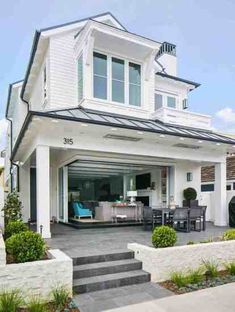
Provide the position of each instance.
(229, 234)
(190, 193)
(164, 236)
(14, 227)
(26, 246)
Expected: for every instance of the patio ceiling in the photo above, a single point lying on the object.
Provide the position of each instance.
(100, 169)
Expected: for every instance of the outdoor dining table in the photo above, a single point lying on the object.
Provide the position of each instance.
(166, 211)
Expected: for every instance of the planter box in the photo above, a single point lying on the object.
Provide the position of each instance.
(37, 278)
(161, 262)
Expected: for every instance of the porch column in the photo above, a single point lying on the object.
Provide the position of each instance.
(220, 194)
(43, 190)
(24, 189)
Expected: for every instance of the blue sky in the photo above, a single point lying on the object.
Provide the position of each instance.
(202, 30)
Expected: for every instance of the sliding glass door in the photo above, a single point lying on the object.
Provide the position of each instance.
(63, 193)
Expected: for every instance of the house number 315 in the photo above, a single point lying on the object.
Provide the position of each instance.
(68, 141)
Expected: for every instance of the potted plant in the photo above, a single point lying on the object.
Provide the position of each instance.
(190, 195)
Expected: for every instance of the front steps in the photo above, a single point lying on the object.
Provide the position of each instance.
(98, 272)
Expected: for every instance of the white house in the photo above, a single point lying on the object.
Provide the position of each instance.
(101, 111)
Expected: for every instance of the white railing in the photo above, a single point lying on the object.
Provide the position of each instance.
(183, 118)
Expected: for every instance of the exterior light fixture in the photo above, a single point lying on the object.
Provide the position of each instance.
(162, 136)
(140, 132)
(114, 129)
(189, 176)
(55, 120)
(218, 144)
(84, 125)
(37, 119)
(182, 139)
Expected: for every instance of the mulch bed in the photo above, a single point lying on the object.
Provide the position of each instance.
(223, 278)
(70, 307)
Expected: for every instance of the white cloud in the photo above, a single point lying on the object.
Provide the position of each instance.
(3, 130)
(227, 115)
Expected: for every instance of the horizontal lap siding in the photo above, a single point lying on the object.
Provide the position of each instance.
(63, 75)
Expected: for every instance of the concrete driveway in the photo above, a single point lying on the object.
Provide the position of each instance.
(217, 299)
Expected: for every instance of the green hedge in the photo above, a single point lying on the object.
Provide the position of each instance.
(14, 227)
(26, 246)
(164, 236)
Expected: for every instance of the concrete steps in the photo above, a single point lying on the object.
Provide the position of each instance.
(99, 272)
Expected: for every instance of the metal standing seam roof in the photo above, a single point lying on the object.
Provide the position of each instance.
(155, 126)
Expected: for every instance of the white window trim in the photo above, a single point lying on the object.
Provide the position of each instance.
(126, 77)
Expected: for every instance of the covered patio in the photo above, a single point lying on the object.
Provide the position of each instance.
(94, 241)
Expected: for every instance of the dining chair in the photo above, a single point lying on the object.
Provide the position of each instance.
(181, 216)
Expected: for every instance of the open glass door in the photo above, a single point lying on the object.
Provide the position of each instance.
(63, 194)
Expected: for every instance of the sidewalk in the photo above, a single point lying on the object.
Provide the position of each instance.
(217, 299)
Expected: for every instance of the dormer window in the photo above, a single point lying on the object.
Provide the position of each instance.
(100, 76)
(116, 80)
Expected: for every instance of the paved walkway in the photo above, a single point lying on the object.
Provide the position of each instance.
(217, 299)
(117, 297)
(84, 242)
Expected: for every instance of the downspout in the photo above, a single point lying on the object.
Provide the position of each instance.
(11, 151)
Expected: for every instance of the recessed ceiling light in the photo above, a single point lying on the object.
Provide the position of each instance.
(162, 136)
(200, 141)
(140, 132)
(233, 146)
(54, 120)
(84, 125)
(218, 144)
(182, 139)
(114, 129)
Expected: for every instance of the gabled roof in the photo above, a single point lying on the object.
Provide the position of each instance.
(121, 121)
(38, 33)
(164, 75)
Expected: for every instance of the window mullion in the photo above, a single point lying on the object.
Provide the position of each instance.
(126, 64)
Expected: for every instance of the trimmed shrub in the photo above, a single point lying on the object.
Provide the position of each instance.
(12, 208)
(26, 246)
(164, 236)
(190, 194)
(229, 234)
(14, 227)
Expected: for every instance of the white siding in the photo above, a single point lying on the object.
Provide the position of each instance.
(63, 71)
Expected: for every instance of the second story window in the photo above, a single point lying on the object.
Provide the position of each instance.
(158, 101)
(45, 82)
(116, 80)
(134, 84)
(80, 77)
(171, 102)
(100, 76)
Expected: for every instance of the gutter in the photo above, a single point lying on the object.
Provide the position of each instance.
(32, 55)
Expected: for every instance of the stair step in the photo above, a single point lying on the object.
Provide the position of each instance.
(101, 282)
(102, 268)
(103, 257)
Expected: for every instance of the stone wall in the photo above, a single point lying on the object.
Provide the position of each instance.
(161, 262)
(2, 251)
(38, 277)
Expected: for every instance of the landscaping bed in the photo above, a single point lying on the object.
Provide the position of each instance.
(70, 306)
(201, 278)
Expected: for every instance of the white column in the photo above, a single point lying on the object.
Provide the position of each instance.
(43, 190)
(65, 182)
(220, 194)
(24, 179)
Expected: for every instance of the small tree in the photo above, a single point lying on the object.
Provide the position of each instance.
(12, 208)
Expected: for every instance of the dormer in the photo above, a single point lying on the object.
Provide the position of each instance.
(117, 68)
